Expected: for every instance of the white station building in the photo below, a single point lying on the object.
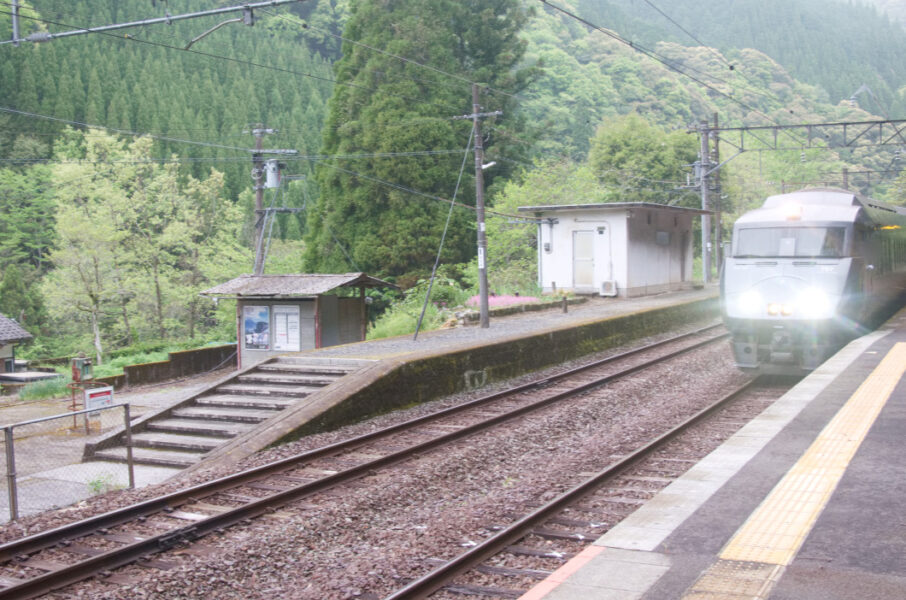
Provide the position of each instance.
(616, 249)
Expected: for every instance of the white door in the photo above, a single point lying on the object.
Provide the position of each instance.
(583, 259)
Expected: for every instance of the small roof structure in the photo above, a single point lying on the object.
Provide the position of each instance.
(612, 205)
(291, 286)
(11, 332)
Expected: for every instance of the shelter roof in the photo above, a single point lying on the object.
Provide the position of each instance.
(291, 286)
(10, 331)
(606, 206)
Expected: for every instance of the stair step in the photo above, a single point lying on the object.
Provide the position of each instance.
(301, 368)
(276, 391)
(271, 402)
(233, 414)
(203, 427)
(195, 443)
(149, 456)
(286, 378)
(349, 364)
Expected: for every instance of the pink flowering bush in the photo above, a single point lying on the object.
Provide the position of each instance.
(498, 301)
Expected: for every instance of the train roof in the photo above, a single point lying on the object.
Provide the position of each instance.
(825, 205)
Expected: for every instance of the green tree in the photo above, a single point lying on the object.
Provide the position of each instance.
(640, 162)
(385, 105)
(512, 244)
(20, 299)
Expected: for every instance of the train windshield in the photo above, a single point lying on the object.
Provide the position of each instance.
(790, 242)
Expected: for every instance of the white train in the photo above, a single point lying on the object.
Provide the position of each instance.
(807, 272)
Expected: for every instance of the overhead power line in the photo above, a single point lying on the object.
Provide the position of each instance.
(249, 63)
(661, 59)
(247, 8)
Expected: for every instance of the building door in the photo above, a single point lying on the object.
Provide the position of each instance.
(583, 259)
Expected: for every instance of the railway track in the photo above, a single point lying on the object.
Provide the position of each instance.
(556, 531)
(50, 560)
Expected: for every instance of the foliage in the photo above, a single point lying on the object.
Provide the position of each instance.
(402, 317)
(388, 106)
(512, 236)
(836, 45)
(45, 389)
(136, 246)
(640, 162)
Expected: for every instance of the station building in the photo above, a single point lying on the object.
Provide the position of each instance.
(622, 249)
(277, 314)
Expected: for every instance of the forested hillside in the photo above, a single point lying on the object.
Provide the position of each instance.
(835, 44)
(106, 237)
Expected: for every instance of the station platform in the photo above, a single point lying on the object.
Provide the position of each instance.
(806, 502)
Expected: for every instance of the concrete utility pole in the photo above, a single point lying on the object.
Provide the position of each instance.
(15, 7)
(719, 201)
(258, 176)
(704, 166)
(479, 209)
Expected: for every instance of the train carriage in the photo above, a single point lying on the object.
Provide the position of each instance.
(807, 272)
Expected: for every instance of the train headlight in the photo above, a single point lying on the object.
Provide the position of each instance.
(751, 303)
(814, 303)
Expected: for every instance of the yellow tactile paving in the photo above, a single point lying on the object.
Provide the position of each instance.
(774, 533)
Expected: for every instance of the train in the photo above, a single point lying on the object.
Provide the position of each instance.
(806, 273)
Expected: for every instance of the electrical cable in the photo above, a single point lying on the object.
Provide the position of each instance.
(719, 56)
(132, 38)
(663, 60)
(443, 236)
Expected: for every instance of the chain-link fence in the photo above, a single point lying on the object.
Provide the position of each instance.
(41, 460)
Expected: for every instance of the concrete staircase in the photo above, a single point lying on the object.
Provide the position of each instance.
(181, 435)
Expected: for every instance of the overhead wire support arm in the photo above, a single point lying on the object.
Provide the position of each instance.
(247, 8)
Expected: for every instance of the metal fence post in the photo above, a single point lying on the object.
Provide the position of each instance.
(129, 445)
(11, 473)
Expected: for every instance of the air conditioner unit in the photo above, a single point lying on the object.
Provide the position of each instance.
(609, 288)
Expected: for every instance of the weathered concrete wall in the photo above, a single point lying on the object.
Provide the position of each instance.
(402, 383)
(180, 364)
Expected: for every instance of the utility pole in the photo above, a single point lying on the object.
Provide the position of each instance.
(258, 176)
(15, 23)
(718, 204)
(704, 165)
(479, 210)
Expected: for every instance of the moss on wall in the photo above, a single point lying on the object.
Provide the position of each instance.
(427, 378)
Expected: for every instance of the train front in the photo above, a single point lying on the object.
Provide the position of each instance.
(786, 289)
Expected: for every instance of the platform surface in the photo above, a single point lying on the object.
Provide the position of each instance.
(808, 501)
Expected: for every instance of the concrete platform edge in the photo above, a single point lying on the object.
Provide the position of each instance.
(399, 381)
(631, 547)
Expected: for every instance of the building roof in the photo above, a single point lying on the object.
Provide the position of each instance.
(10, 331)
(608, 206)
(290, 286)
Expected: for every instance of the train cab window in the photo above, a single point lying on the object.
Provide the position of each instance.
(790, 242)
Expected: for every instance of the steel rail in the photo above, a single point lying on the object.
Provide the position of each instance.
(41, 540)
(126, 554)
(436, 579)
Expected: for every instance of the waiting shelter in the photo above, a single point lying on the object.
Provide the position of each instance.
(277, 314)
(11, 333)
(614, 249)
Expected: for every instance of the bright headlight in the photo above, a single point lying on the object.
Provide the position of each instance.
(751, 303)
(814, 303)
